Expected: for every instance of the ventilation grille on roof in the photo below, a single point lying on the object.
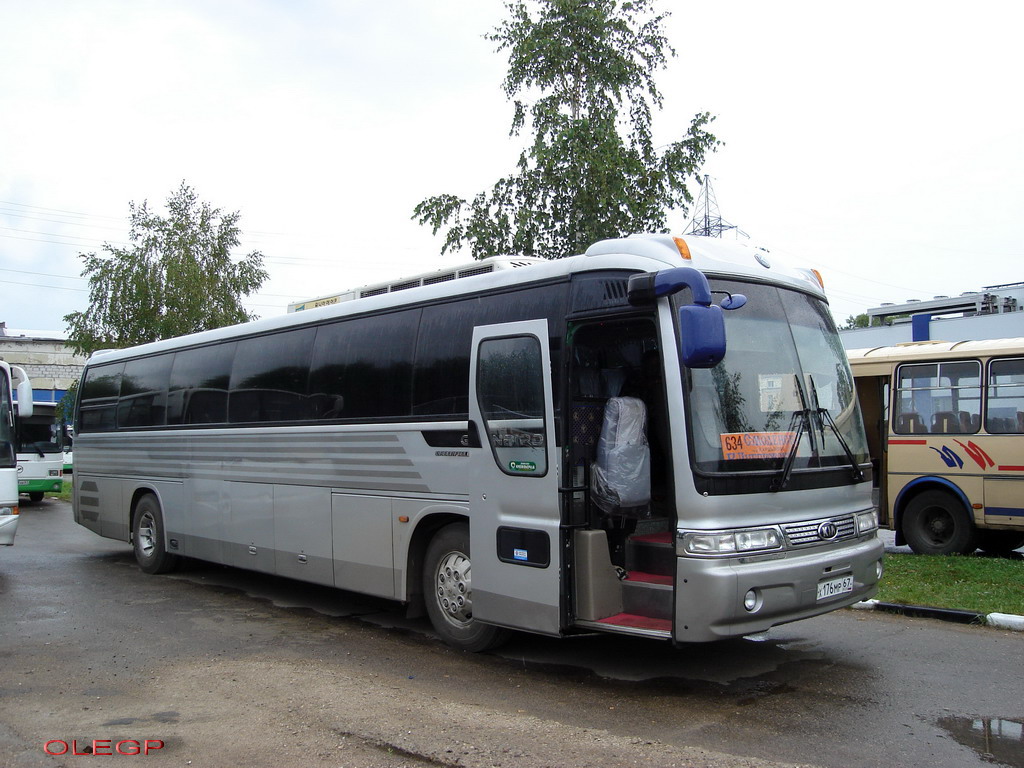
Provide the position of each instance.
(476, 271)
(493, 264)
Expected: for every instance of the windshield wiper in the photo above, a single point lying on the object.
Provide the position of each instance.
(825, 419)
(799, 422)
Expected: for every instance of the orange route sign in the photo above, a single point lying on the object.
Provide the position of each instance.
(756, 445)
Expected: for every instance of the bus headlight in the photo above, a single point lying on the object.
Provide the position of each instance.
(866, 522)
(7, 511)
(732, 542)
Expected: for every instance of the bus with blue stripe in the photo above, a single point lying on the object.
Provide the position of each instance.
(945, 427)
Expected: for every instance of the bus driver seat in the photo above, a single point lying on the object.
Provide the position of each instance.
(621, 476)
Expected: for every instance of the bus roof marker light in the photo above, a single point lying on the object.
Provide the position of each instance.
(683, 248)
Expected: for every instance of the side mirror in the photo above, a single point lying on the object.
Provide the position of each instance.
(701, 324)
(24, 392)
(701, 335)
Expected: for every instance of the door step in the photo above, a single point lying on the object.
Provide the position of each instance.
(645, 593)
(633, 621)
(630, 624)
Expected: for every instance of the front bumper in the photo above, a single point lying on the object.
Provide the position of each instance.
(42, 484)
(710, 591)
(8, 527)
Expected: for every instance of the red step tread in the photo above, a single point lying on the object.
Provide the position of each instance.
(649, 578)
(637, 622)
(664, 537)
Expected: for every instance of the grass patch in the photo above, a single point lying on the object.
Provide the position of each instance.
(65, 493)
(972, 583)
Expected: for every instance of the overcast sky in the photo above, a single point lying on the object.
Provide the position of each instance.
(879, 142)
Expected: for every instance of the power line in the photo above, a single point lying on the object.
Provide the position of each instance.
(41, 285)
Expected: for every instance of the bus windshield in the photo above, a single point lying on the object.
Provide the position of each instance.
(42, 439)
(783, 398)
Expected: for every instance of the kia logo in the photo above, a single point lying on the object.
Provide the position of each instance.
(827, 531)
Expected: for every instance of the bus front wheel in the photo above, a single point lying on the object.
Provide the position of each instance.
(148, 537)
(936, 523)
(448, 592)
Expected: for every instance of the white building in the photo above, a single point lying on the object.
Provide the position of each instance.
(50, 363)
(995, 312)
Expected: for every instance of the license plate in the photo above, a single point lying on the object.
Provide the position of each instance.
(835, 587)
(22, 482)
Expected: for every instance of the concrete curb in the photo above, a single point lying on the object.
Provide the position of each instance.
(998, 620)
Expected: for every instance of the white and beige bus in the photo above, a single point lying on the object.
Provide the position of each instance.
(945, 423)
(553, 446)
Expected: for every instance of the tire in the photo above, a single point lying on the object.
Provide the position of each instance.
(1000, 543)
(36, 496)
(936, 523)
(148, 536)
(448, 592)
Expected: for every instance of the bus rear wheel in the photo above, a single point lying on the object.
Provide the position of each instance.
(148, 537)
(936, 523)
(448, 592)
(36, 496)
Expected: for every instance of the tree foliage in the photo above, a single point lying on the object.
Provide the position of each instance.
(177, 276)
(582, 73)
(859, 321)
(65, 410)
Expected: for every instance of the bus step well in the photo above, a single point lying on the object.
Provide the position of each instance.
(650, 575)
(647, 589)
(652, 553)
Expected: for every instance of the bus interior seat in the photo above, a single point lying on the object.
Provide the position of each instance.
(968, 422)
(945, 422)
(1002, 426)
(910, 423)
(326, 406)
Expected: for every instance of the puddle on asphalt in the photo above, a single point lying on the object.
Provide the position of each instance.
(997, 740)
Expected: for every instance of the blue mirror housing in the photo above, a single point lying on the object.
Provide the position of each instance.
(701, 324)
(701, 335)
(734, 301)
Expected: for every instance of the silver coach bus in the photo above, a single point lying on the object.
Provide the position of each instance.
(579, 445)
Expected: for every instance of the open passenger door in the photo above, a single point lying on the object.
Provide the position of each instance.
(513, 481)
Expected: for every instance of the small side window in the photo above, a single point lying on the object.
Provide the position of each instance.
(1004, 412)
(98, 399)
(510, 391)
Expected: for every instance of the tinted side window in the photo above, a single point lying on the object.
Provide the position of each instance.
(362, 368)
(199, 385)
(441, 377)
(144, 392)
(269, 378)
(98, 399)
